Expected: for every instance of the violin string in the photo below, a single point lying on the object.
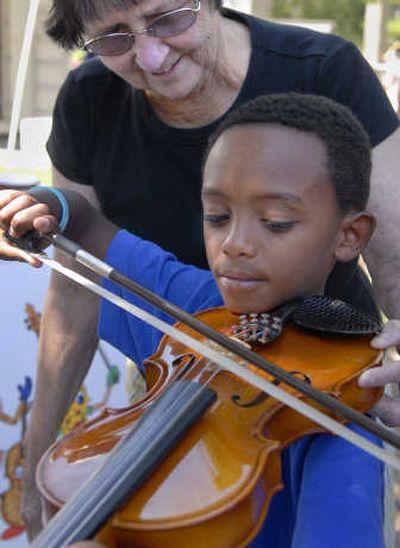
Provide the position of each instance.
(226, 363)
(212, 368)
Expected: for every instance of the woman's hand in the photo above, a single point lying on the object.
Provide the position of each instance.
(388, 407)
(19, 213)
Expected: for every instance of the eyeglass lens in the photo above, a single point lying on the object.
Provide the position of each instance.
(111, 45)
(170, 24)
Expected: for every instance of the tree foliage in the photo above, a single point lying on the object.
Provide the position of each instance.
(393, 26)
(348, 15)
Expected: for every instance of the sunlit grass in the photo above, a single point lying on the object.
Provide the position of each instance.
(393, 29)
(44, 176)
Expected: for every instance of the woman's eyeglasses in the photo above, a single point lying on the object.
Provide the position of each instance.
(166, 25)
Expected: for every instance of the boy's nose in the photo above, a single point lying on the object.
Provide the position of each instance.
(150, 52)
(238, 242)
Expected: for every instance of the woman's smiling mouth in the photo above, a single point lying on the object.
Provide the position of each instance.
(167, 70)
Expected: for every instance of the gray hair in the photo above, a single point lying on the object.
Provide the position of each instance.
(67, 18)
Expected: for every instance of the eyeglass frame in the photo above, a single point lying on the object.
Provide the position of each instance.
(145, 30)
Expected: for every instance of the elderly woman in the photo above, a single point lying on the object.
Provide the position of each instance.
(130, 128)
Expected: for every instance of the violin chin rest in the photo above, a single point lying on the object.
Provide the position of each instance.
(322, 313)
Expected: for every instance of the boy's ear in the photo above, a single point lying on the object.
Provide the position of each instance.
(357, 228)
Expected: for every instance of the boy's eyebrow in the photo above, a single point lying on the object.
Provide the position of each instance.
(270, 196)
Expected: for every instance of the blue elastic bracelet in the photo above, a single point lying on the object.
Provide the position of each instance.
(64, 207)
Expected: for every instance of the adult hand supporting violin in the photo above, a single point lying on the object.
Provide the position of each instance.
(388, 408)
(274, 226)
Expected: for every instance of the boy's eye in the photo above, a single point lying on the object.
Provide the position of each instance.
(215, 219)
(278, 226)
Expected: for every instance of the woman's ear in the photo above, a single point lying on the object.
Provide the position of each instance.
(357, 228)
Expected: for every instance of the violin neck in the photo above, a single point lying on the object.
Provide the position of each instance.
(130, 463)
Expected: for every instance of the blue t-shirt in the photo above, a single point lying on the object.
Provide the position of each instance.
(333, 492)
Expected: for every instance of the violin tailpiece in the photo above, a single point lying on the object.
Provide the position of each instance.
(258, 328)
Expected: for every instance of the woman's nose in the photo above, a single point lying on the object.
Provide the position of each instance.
(150, 52)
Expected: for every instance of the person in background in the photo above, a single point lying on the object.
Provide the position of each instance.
(285, 187)
(130, 128)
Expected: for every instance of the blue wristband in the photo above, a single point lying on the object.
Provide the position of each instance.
(64, 207)
(63, 203)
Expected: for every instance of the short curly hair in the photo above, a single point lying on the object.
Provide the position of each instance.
(66, 21)
(347, 143)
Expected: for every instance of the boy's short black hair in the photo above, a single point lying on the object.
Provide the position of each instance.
(66, 21)
(347, 143)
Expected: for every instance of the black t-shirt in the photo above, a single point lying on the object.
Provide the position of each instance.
(147, 175)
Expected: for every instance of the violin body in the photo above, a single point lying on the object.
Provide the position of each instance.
(215, 486)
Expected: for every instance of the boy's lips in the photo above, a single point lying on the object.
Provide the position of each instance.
(239, 281)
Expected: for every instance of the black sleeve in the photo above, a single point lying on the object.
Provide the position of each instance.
(69, 143)
(346, 77)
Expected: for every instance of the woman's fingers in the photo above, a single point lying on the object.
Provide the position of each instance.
(389, 336)
(379, 376)
(388, 410)
(388, 340)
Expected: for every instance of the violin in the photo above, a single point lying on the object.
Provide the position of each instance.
(221, 472)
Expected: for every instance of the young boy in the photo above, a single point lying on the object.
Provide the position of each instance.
(286, 181)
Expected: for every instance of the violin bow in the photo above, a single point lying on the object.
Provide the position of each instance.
(104, 270)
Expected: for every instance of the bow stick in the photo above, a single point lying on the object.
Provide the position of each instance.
(103, 269)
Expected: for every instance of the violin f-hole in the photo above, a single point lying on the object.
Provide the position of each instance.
(185, 362)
